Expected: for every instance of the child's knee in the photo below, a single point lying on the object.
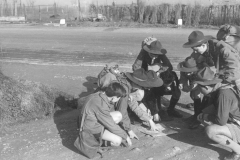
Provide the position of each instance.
(116, 142)
(118, 117)
(210, 131)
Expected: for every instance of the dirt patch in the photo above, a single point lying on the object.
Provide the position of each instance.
(24, 100)
(111, 29)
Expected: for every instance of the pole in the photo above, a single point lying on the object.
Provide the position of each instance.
(15, 8)
(79, 11)
(97, 7)
(2, 7)
(67, 12)
(39, 12)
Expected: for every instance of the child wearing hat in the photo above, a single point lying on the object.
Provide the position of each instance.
(224, 121)
(225, 58)
(151, 53)
(188, 69)
(134, 83)
(100, 121)
(197, 60)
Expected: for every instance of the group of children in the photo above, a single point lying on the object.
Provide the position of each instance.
(211, 74)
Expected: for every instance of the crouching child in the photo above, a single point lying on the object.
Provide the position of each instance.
(134, 83)
(99, 123)
(224, 118)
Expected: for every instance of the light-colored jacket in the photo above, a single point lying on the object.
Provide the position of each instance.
(125, 102)
(234, 41)
(228, 60)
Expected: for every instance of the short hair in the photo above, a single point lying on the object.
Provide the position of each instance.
(115, 89)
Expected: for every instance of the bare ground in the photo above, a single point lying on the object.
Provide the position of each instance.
(69, 59)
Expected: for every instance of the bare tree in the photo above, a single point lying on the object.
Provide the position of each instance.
(74, 2)
(30, 2)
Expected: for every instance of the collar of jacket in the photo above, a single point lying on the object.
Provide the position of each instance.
(222, 86)
(104, 98)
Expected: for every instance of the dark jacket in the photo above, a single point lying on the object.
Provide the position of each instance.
(98, 115)
(225, 102)
(187, 81)
(143, 60)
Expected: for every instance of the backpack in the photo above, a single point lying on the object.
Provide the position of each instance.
(231, 35)
(228, 30)
(110, 74)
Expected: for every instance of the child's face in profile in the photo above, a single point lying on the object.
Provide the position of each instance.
(114, 99)
(200, 48)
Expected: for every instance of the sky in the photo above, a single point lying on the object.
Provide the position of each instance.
(101, 2)
(69, 2)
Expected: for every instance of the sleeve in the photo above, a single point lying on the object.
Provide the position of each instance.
(133, 105)
(138, 62)
(223, 103)
(103, 115)
(122, 107)
(166, 62)
(184, 81)
(176, 78)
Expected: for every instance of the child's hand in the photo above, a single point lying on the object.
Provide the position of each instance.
(194, 86)
(180, 86)
(154, 127)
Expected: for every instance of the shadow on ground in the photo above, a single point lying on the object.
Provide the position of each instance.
(66, 122)
(66, 115)
(90, 84)
(195, 137)
(65, 118)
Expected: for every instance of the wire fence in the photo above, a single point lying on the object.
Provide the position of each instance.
(44, 13)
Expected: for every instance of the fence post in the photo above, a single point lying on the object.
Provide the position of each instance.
(24, 12)
(79, 10)
(15, 8)
(12, 8)
(233, 13)
(67, 12)
(55, 8)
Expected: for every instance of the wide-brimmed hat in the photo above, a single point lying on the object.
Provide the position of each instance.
(196, 38)
(189, 65)
(206, 77)
(154, 47)
(145, 78)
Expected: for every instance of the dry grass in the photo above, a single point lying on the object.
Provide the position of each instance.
(141, 8)
(22, 100)
(188, 21)
(153, 19)
(165, 13)
(197, 14)
(147, 13)
(178, 9)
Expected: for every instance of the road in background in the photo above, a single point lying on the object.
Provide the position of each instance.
(65, 57)
(55, 45)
